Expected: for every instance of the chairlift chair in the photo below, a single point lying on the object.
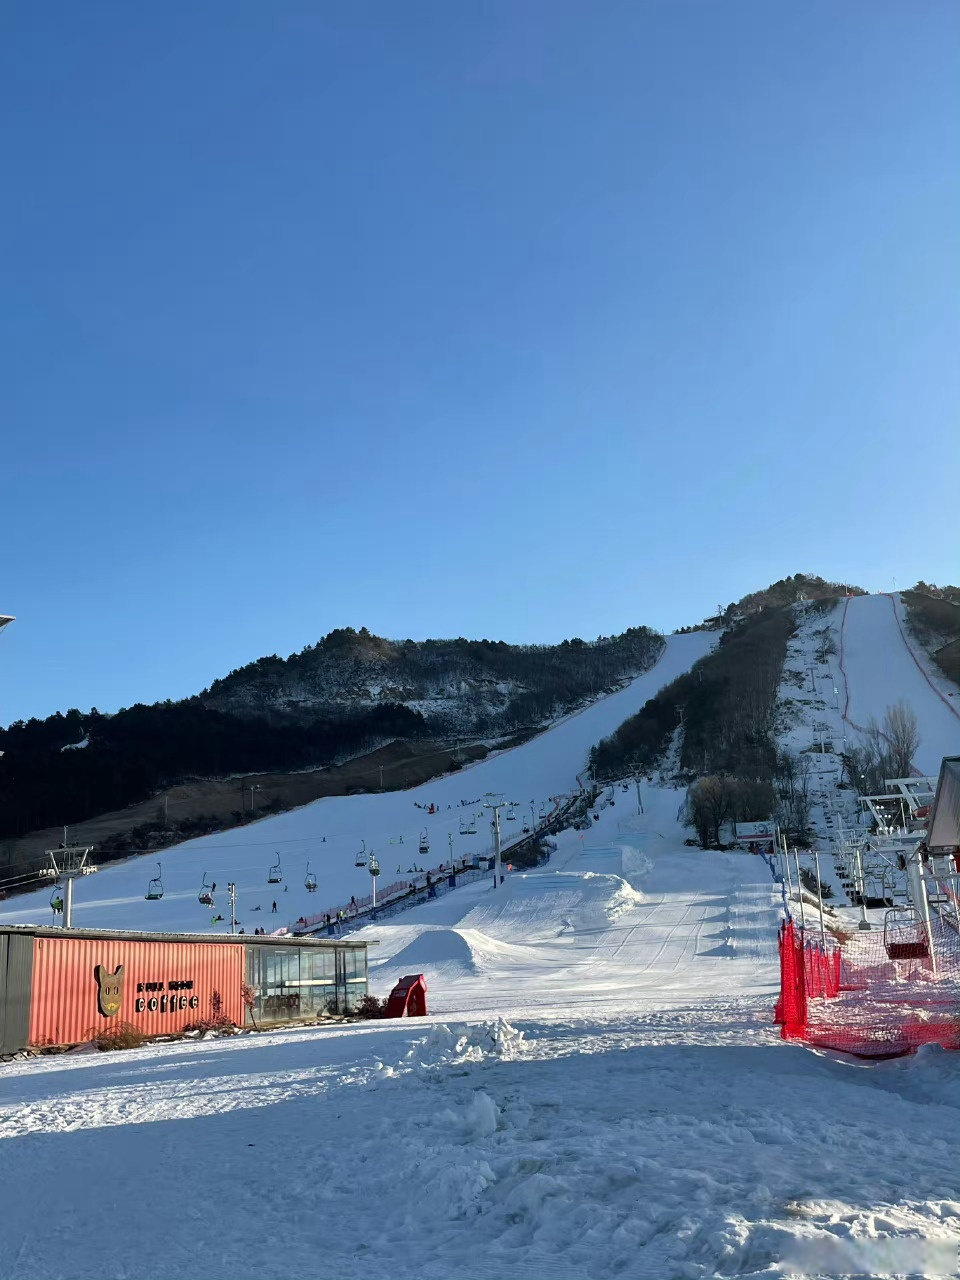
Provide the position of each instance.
(56, 900)
(361, 859)
(310, 881)
(904, 934)
(526, 827)
(511, 816)
(424, 841)
(155, 887)
(275, 875)
(464, 826)
(205, 896)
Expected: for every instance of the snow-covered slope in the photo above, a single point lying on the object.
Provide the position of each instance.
(329, 832)
(568, 934)
(599, 1092)
(873, 666)
(882, 666)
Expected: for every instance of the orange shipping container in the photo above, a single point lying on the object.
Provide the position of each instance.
(84, 985)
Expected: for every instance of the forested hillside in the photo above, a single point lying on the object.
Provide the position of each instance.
(347, 695)
(460, 686)
(933, 616)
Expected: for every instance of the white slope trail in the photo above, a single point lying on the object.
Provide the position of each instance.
(624, 915)
(636, 1117)
(328, 832)
(880, 669)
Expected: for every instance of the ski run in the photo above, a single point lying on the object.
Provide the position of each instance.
(597, 1091)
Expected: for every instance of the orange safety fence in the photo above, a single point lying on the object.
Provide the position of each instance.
(870, 993)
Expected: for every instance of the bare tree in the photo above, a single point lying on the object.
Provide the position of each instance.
(793, 778)
(710, 804)
(884, 751)
(902, 738)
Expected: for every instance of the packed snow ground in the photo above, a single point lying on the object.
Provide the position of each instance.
(597, 1092)
(328, 833)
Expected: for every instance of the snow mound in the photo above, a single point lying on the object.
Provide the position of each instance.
(436, 947)
(623, 896)
(456, 1044)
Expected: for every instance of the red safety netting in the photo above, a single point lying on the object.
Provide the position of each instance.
(875, 994)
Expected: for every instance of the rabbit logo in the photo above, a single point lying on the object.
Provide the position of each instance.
(109, 990)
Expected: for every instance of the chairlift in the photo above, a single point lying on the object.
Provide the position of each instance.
(275, 875)
(56, 900)
(526, 827)
(424, 841)
(205, 896)
(374, 867)
(904, 934)
(155, 887)
(361, 859)
(543, 811)
(511, 815)
(310, 881)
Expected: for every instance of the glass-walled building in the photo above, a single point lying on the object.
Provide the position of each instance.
(305, 981)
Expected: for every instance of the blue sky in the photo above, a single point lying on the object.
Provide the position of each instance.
(512, 320)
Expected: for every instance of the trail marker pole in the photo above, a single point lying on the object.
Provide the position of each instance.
(823, 931)
(864, 924)
(796, 859)
(786, 861)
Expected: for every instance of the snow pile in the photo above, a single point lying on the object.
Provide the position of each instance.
(622, 896)
(458, 1044)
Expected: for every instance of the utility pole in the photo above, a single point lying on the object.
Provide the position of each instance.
(373, 866)
(494, 800)
(232, 891)
(864, 924)
(66, 865)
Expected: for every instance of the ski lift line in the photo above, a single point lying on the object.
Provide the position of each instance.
(245, 844)
(27, 877)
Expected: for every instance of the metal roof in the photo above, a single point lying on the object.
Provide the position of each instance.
(217, 939)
